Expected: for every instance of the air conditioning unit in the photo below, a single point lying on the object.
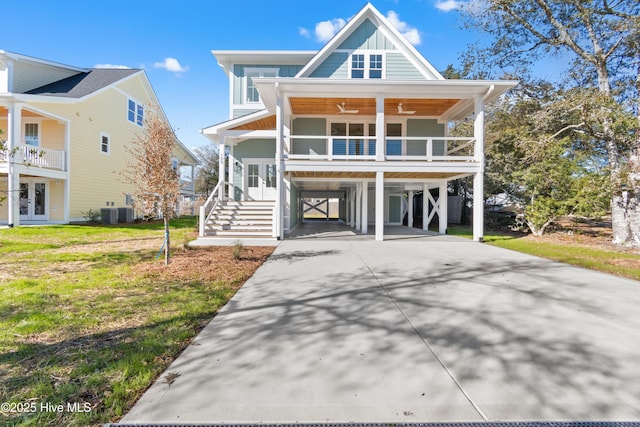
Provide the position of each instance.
(125, 214)
(109, 215)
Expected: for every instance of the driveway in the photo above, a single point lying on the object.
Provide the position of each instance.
(413, 329)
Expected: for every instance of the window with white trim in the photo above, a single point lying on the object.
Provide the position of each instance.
(31, 134)
(251, 92)
(105, 143)
(367, 66)
(357, 66)
(135, 112)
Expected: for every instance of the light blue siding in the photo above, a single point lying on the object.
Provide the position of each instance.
(335, 66)
(238, 77)
(399, 68)
(250, 149)
(239, 112)
(426, 128)
(293, 207)
(309, 126)
(367, 36)
(395, 214)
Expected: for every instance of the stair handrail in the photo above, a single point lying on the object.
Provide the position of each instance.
(209, 206)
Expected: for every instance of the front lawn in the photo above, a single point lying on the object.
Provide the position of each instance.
(581, 250)
(89, 318)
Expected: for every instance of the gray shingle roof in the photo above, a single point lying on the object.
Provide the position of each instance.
(83, 84)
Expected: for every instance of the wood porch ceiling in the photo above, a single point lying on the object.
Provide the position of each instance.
(371, 175)
(367, 106)
(268, 123)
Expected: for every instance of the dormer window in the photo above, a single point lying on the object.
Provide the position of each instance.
(251, 92)
(367, 65)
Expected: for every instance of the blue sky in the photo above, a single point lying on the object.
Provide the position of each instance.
(191, 87)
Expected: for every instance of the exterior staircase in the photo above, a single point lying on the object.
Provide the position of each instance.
(246, 219)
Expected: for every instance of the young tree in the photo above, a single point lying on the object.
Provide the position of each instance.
(602, 38)
(156, 181)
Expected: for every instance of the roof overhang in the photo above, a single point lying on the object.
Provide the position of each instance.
(226, 58)
(465, 91)
(245, 126)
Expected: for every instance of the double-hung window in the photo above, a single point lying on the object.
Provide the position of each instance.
(357, 66)
(367, 66)
(31, 136)
(251, 92)
(105, 143)
(135, 112)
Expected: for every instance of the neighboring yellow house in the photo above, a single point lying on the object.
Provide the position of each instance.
(67, 128)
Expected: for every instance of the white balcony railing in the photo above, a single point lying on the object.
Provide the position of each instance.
(424, 148)
(36, 156)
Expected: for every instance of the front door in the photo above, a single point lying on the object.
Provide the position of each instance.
(34, 200)
(260, 179)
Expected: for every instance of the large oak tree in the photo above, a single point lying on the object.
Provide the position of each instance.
(600, 38)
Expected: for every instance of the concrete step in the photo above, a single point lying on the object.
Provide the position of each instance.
(239, 221)
(238, 233)
(239, 227)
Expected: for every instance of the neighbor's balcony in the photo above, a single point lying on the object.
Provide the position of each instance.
(409, 149)
(29, 155)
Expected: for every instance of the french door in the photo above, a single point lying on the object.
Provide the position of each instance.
(34, 200)
(260, 179)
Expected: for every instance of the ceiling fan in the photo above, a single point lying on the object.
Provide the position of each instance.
(343, 110)
(401, 110)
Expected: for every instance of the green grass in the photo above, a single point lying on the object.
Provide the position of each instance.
(82, 324)
(609, 261)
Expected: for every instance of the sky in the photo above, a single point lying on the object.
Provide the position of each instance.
(172, 41)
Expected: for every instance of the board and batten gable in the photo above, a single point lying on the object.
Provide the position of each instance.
(368, 37)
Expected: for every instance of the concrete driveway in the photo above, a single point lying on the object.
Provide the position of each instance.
(413, 329)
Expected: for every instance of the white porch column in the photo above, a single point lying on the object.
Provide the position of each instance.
(14, 136)
(279, 226)
(221, 167)
(380, 205)
(425, 207)
(232, 169)
(380, 133)
(352, 210)
(478, 178)
(443, 211)
(410, 210)
(365, 208)
(358, 206)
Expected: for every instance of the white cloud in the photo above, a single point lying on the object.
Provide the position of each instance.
(411, 33)
(327, 29)
(171, 64)
(303, 32)
(120, 67)
(448, 5)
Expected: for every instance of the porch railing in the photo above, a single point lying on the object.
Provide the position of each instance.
(423, 148)
(209, 206)
(36, 156)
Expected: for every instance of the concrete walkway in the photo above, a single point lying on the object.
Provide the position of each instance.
(413, 329)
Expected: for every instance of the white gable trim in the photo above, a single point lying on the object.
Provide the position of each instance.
(401, 43)
(212, 132)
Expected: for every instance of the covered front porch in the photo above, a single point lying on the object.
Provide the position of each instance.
(33, 165)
